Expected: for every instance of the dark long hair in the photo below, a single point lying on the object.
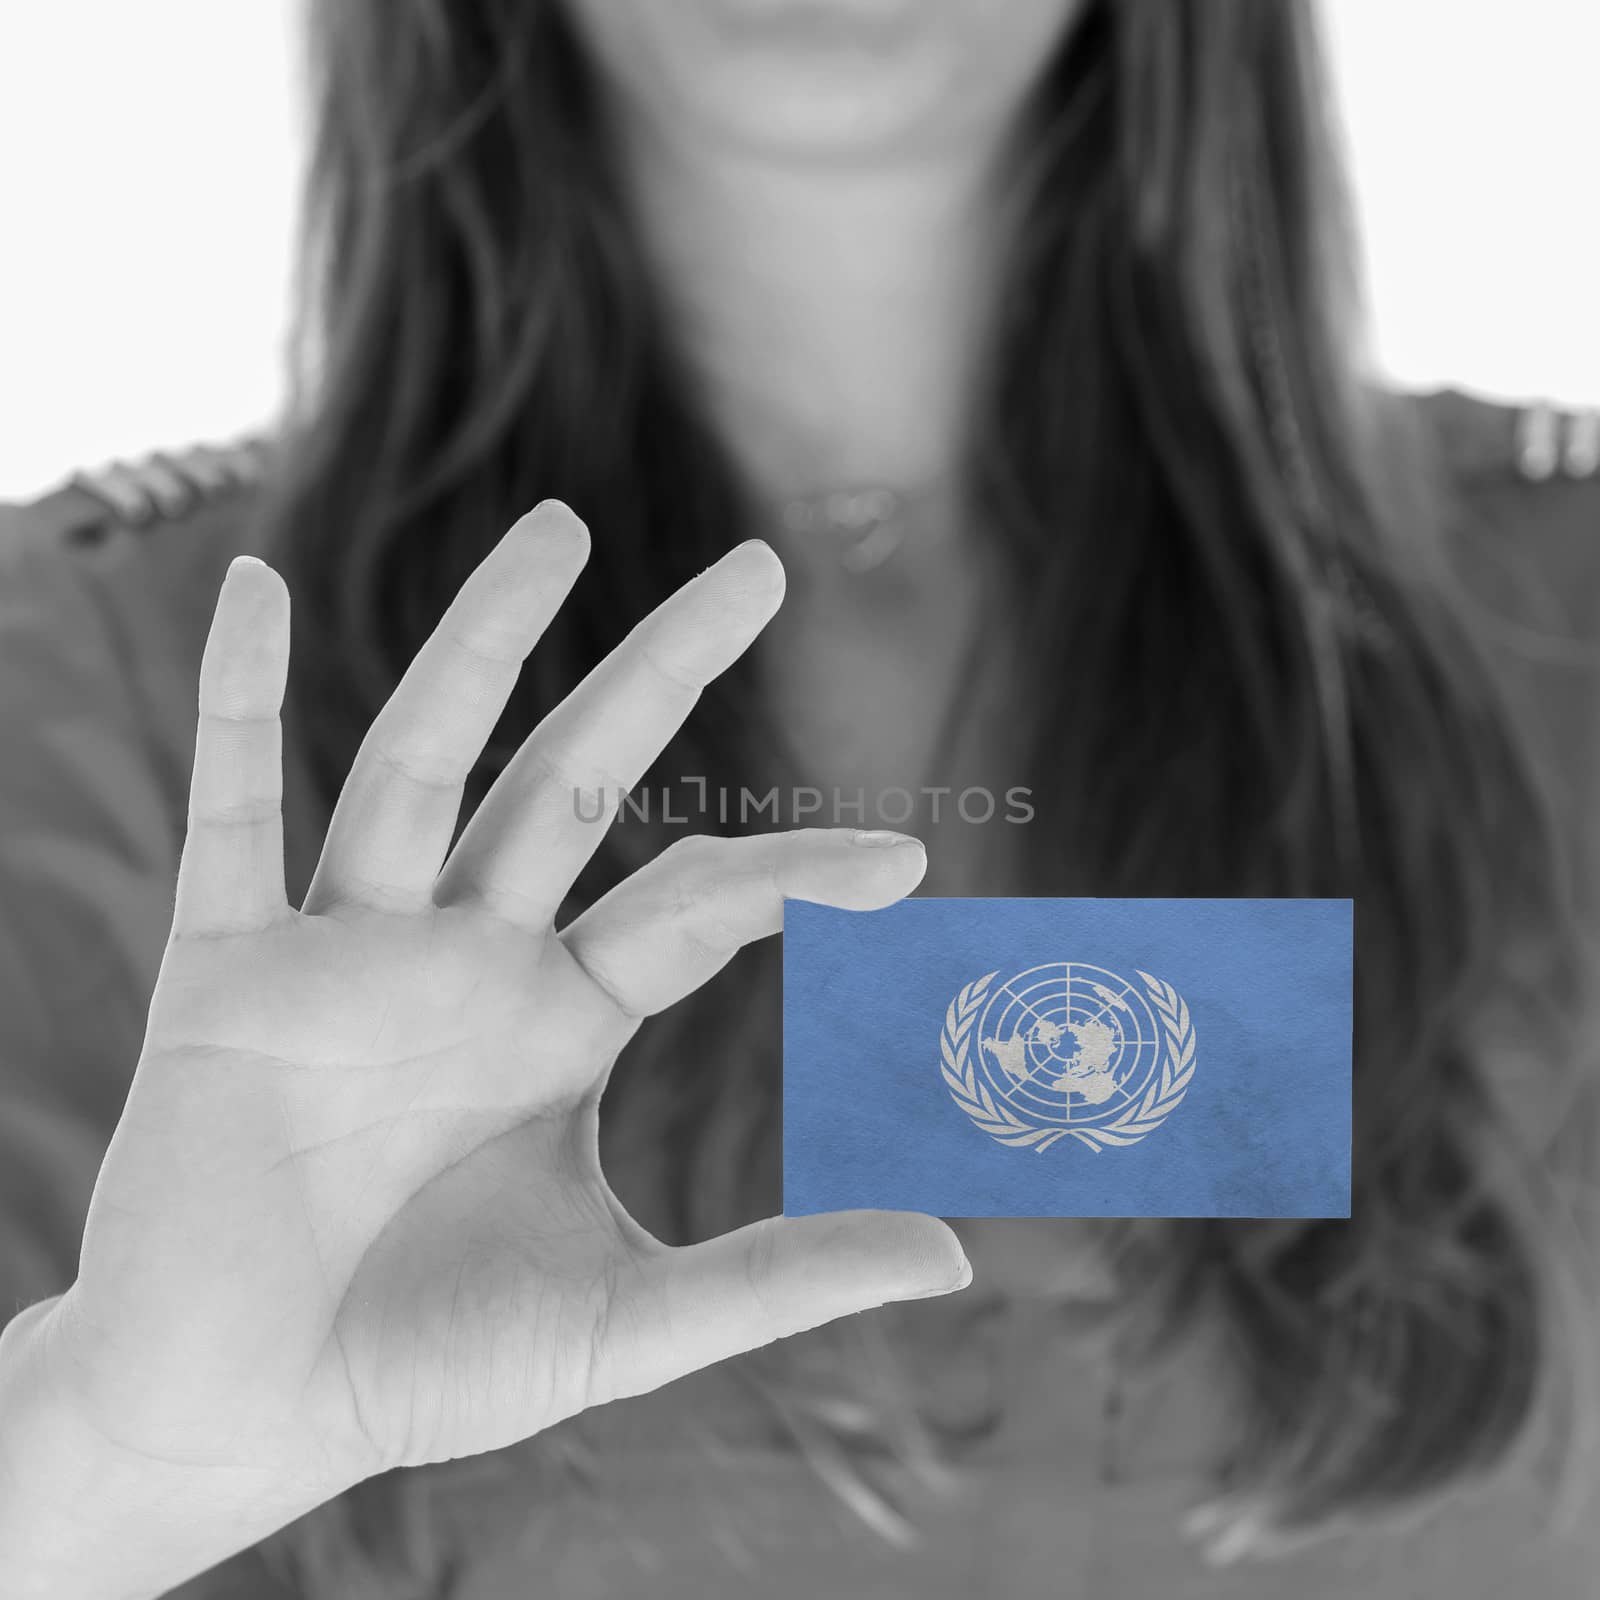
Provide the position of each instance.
(1287, 699)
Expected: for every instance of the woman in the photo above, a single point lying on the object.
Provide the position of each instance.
(1059, 289)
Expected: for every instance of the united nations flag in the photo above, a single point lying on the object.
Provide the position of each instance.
(1068, 1050)
(1069, 1057)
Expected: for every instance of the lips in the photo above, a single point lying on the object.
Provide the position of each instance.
(862, 24)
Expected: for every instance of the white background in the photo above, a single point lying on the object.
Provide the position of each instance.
(149, 159)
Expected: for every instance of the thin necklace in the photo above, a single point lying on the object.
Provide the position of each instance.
(866, 524)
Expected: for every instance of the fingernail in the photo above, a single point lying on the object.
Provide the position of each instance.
(745, 549)
(882, 838)
(962, 1280)
(754, 563)
(238, 567)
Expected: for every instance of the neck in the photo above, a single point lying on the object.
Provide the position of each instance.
(832, 316)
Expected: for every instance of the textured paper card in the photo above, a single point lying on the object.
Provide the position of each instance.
(1068, 1058)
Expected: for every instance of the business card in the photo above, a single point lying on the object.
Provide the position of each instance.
(1069, 1058)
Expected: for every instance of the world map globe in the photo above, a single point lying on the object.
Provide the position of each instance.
(1068, 1043)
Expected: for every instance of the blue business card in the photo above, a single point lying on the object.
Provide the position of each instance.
(1068, 1058)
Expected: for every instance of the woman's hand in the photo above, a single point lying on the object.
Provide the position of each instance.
(353, 1216)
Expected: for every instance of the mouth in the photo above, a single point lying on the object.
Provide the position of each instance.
(858, 24)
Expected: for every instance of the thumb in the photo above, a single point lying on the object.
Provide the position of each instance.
(697, 1304)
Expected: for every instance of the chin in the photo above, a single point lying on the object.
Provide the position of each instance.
(812, 77)
(849, 113)
(822, 78)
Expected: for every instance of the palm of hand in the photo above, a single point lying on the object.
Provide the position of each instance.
(353, 1215)
(444, 1179)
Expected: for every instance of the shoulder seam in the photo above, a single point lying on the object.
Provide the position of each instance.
(161, 487)
(1481, 440)
(167, 484)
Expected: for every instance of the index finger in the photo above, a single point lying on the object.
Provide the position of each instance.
(398, 809)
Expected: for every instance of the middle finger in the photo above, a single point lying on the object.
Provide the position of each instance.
(548, 810)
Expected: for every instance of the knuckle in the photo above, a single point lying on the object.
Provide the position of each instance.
(706, 945)
(245, 813)
(229, 716)
(424, 768)
(549, 764)
(674, 678)
(692, 854)
(698, 918)
(493, 650)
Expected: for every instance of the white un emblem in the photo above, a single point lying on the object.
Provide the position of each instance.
(1067, 1050)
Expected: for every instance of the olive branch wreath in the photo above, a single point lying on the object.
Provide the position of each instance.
(1002, 1124)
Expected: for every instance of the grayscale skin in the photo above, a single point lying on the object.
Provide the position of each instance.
(352, 1216)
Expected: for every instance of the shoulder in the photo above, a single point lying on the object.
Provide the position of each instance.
(1522, 484)
(123, 561)
(120, 566)
(107, 588)
(108, 585)
(1523, 480)
(125, 503)
(1488, 441)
